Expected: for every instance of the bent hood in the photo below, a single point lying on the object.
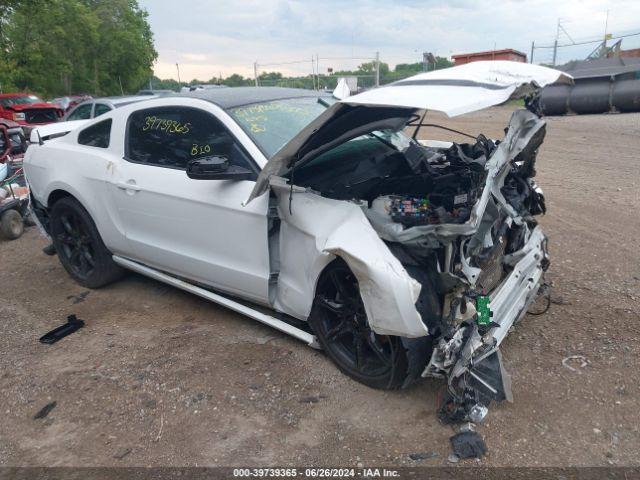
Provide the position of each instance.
(454, 91)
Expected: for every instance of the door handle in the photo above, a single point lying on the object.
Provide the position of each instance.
(130, 185)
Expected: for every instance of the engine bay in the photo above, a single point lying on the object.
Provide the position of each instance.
(415, 185)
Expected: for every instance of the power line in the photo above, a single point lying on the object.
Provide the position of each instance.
(587, 42)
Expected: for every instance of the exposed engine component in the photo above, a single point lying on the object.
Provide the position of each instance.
(411, 211)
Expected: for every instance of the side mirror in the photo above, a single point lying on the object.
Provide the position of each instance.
(217, 168)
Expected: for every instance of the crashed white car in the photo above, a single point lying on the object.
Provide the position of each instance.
(321, 218)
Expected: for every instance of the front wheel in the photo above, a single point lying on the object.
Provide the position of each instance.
(339, 320)
(80, 248)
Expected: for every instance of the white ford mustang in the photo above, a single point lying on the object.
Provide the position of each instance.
(321, 218)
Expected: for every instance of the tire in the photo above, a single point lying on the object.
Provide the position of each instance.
(340, 322)
(80, 249)
(11, 224)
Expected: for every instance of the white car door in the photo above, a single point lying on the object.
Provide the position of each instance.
(196, 229)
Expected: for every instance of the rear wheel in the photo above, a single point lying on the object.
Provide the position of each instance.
(80, 248)
(340, 322)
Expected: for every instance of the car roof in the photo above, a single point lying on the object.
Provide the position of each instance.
(228, 98)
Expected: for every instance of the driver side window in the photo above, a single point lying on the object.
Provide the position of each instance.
(173, 136)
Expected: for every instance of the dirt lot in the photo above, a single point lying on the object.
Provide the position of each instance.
(159, 377)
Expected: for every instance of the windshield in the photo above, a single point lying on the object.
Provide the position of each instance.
(272, 124)
(7, 102)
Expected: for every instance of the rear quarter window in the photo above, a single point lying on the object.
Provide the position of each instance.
(97, 135)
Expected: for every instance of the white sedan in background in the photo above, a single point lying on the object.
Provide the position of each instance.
(321, 218)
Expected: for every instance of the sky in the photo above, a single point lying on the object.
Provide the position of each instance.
(211, 38)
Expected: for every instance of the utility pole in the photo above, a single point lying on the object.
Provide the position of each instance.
(377, 69)
(178, 68)
(255, 72)
(313, 72)
(555, 44)
(533, 46)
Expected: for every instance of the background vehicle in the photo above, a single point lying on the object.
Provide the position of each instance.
(155, 92)
(394, 252)
(27, 110)
(98, 106)
(70, 101)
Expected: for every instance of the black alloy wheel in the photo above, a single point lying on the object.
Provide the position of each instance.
(76, 244)
(79, 245)
(340, 322)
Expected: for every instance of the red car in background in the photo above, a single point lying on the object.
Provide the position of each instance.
(28, 110)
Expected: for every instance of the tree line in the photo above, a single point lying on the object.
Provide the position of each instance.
(105, 47)
(62, 47)
(365, 73)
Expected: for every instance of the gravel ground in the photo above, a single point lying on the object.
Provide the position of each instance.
(160, 377)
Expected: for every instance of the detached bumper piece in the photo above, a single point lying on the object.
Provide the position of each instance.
(73, 324)
(481, 384)
(470, 359)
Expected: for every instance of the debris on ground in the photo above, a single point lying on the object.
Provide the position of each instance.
(78, 298)
(49, 250)
(468, 444)
(73, 324)
(310, 399)
(46, 410)
(422, 455)
(560, 300)
(580, 360)
(450, 411)
(121, 453)
(468, 427)
(453, 458)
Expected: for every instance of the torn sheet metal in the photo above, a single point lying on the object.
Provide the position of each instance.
(310, 239)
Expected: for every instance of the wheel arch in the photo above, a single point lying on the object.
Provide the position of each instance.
(59, 194)
(59, 191)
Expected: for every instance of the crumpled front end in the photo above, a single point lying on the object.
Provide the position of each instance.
(483, 254)
(442, 240)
